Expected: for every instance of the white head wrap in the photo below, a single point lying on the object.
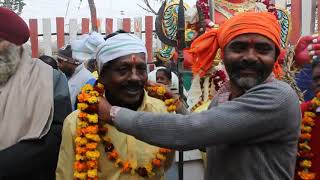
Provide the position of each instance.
(85, 47)
(119, 45)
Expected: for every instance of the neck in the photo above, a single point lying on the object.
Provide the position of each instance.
(236, 1)
(115, 102)
(236, 91)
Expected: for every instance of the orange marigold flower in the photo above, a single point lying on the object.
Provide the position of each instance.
(156, 162)
(83, 97)
(309, 114)
(164, 150)
(126, 167)
(80, 166)
(113, 155)
(306, 175)
(306, 120)
(318, 95)
(92, 129)
(92, 164)
(91, 146)
(81, 150)
(305, 136)
(82, 114)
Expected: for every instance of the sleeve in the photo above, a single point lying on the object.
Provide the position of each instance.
(266, 112)
(41, 153)
(66, 158)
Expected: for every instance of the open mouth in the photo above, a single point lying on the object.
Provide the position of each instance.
(133, 90)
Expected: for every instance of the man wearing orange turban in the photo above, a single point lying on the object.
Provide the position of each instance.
(205, 47)
(251, 129)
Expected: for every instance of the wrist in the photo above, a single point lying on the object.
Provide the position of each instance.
(113, 113)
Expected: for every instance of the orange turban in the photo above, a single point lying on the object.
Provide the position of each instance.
(205, 47)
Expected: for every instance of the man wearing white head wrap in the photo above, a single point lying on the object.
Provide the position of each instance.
(122, 69)
(71, 60)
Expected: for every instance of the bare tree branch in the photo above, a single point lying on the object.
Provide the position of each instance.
(146, 9)
(149, 8)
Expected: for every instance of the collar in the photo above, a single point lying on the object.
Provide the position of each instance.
(77, 70)
(144, 103)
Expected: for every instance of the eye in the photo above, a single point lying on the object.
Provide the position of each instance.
(263, 48)
(238, 47)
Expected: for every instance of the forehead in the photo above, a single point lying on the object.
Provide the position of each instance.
(252, 38)
(130, 59)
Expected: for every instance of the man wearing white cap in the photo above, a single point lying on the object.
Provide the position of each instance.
(71, 60)
(122, 70)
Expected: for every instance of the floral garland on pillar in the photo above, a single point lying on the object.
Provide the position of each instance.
(305, 155)
(90, 132)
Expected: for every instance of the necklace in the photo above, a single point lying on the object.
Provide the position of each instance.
(305, 154)
(223, 6)
(90, 132)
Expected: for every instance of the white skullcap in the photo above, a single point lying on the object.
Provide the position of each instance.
(119, 45)
(85, 47)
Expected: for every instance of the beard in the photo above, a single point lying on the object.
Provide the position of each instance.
(247, 82)
(10, 56)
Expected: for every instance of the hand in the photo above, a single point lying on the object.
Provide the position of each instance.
(104, 108)
(307, 48)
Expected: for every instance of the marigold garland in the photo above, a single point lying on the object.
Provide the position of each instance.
(160, 93)
(90, 133)
(305, 154)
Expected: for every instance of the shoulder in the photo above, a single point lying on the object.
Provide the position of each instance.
(70, 122)
(58, 76)
(155, 105)
(276, 89)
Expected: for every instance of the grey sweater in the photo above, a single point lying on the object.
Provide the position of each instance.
(252, 137)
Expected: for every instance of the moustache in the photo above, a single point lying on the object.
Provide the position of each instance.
(133, 85)
(253, 65)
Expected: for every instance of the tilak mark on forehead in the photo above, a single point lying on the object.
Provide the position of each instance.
(134, 59)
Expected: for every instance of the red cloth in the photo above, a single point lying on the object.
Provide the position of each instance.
(314, 143)
(12, 27)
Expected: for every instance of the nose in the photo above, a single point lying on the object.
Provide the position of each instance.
(134, 75)
(250, 57)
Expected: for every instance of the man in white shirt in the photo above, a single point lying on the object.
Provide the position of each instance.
(71, 60)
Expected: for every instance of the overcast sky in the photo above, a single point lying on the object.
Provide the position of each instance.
(105, 8)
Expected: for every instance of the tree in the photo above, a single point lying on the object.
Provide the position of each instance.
(148, 8)
(15, 5)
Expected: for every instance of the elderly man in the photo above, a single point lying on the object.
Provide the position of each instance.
(71, 60)
(34, 102)
(122, 70)
(252, 127)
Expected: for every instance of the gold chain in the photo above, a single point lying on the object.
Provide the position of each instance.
(237, 7)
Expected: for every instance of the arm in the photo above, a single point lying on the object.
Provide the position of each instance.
(263, 113)
(27, 156)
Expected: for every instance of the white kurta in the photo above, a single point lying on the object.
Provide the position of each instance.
(79, 78)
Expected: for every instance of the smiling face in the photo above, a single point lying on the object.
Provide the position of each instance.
(124, 79)
(249, 60)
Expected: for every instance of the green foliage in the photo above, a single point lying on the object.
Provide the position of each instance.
(15, 5)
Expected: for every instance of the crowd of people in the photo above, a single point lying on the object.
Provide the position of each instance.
(91, 113)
